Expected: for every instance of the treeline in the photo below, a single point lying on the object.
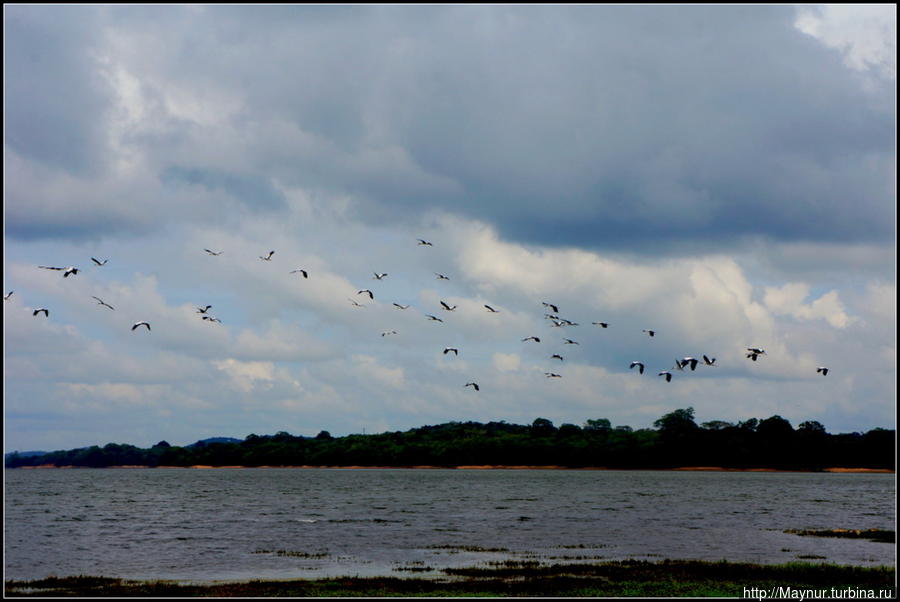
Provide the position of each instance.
(676, 440)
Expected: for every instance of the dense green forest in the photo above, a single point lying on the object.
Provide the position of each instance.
(676, 440)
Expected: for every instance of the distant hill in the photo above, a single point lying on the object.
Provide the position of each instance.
(202, 442)
(25, 454)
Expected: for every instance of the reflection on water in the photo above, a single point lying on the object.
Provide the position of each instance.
(231, 524)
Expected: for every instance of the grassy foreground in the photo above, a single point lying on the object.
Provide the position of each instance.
(668, 578)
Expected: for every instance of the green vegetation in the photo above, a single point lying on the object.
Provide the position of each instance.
(883, 535)
(668, 578)
(676, 440)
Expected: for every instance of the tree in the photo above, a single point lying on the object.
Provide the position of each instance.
(162, 444)
(716, 425)
(597, 424)
(677, 423)
(812, 427)
(775, 427)
(542, 427)
(324, 435)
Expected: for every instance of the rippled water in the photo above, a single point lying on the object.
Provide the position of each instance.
(230, 524)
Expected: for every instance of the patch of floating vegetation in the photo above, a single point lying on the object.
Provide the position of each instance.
(292, 553)
(882, 535)
(811, 557)
(464, 548)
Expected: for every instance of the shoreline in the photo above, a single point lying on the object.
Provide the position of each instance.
(473, 467)
(629, 578)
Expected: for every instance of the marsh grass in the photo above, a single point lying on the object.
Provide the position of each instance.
(630, 578)
(881, 535)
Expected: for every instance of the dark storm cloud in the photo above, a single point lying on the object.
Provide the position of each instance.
(635, 127)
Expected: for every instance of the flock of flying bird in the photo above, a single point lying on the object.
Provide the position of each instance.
(753, 353)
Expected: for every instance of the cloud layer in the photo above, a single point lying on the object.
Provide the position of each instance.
(722, 175)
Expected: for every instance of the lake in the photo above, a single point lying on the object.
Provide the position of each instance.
(204, 525)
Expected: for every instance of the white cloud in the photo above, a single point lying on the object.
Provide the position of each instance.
(866, 34)
(788, 300)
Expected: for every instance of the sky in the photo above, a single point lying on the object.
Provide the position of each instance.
(722, 175)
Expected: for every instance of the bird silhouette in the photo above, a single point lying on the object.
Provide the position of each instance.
(667, 374)
(447, 307)
(535, 339)
(424, 243)
(449, 349)
(213, 252)
(367, 291)
(42, 309)
(66, 271)
(397, 305)
(491, 309)
(102, 302)
(136, 324)
(302, 271)
(640, 366)
(822, 369)
(98, 262)
(267, 257)
(477, 388)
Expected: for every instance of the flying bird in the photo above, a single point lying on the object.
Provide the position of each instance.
(98, 262)
(302, 271)
(367, 291)
(136, 324)
(213, 252)
(709, 362)
(639, 365)
(601, 324)
(690, 361)
(379, 276)
(473, 385)
(679, 365)
(491, 309)
(551, 306)
(570, 342)
(535, 339)
(435, 318)
(441, 276)
(355, 304)
(424, 243)
(203, 310)
(556, 356)
(267, 257)
(387, 332)
(449, 349)
(65, 271)
(754, 352)
(42, 309)
(397, 305)
(447, 307)
(209, 318)
(667, 374)
(553, 375)
(8, 295)
(650, 332)
(102, 302)
(823, 370)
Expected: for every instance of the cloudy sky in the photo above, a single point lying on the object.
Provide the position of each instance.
(723, 175)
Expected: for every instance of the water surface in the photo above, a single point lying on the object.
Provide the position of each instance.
(232, 524)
